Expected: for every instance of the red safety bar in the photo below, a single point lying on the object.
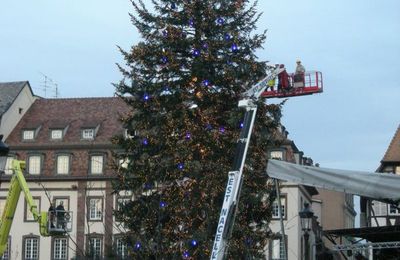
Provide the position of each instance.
(310, 84)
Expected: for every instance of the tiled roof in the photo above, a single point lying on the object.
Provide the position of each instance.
(8, 93)
(72, 114)
(393, 152)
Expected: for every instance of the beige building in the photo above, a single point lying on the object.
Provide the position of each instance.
(15, 100)
(293, 197)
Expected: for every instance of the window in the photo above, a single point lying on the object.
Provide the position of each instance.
(95, 247)
(121, 201)
(393, 210)
(96, 164)
(34, 164)
(28, 213)
(121, 248)
(56, 134)
(8, 168)
(28, 134)
(275, 208)
(278, 155)
(6, 254)
(88, 134)
(31, 248)
(62, 164)
(277, 250)
(95, 209)
(60, 246)
(397, 170)
(379, 208)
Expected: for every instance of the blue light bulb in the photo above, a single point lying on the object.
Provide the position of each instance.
(220, 21)
(222, 129)
(234, 47)
(146, 97)
(193, 243)
(196, 52)
(227, 36)
(180, 166)
(164, 59)
(138, 245)
(241, 124)
(186, 254)
(188, 136)
(163, 204)
(145, 141)
(206, 82)
(248, 241)
(191, 22)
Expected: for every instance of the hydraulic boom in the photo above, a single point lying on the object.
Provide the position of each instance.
(233, 187)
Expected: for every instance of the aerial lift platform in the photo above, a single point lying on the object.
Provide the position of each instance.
(309, 83)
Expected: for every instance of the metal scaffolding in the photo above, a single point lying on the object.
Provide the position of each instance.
(363, 246)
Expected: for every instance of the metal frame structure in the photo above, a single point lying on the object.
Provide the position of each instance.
(363, 246)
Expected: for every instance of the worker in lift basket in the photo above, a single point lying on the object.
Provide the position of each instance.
(51, 215)
(271, 82)
(283, 79)
(299, 73)
(60, 215)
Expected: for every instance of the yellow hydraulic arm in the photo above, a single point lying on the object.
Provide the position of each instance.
(18, 184)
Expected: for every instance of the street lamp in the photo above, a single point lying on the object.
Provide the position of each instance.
(306, 216)
(3, 154)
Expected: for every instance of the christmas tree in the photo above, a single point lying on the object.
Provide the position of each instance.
(183, 82)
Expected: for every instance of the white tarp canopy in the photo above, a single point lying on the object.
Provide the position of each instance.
(379, 186)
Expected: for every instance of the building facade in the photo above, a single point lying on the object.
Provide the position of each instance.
(380, 218)
(293, 197)
(66, 144)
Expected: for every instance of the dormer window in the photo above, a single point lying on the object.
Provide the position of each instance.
(28, 135)
(56, 134)
(277, 155)
(88, 133)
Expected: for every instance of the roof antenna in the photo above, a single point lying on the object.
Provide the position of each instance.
(50, 85)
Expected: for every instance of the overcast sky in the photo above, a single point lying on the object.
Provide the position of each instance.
(355, 44)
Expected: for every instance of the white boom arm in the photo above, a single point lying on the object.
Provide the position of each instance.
(233, 187)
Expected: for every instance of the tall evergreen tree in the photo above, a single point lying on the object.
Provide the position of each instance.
(183, 81)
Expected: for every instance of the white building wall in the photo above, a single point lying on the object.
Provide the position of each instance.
(295, 198)
(12, 116)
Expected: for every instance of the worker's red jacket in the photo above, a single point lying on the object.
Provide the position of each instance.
(283, 78)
